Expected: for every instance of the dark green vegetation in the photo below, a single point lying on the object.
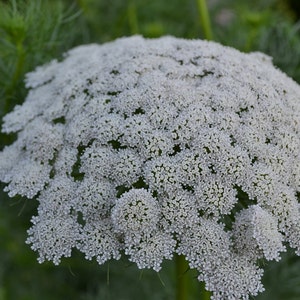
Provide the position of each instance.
(34, 31)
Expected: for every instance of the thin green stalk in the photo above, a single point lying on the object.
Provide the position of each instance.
(187, 285)
(205, 295)
(181, 284)
(132, 18)
(21, 54)
(204, 19)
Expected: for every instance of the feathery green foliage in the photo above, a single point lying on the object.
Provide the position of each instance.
(31, 33)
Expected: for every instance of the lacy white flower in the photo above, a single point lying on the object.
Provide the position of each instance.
(151, 148)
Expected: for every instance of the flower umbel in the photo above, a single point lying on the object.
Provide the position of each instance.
(156, 147)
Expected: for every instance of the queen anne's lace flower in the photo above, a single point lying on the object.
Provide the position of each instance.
(135, 214)
(97, 239)
(256, 233)
(150, 251)
(156, 147)
(53, 235)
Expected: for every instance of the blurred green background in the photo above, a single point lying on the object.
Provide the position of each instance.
(35, 31)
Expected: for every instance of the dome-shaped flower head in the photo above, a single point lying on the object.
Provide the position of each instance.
(135, 214)
(151, 147)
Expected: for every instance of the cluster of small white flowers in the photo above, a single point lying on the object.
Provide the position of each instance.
(156, 147)
(98, 240)
(135, 214)
(256, 232)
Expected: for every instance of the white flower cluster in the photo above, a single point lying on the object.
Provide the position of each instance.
(156, 147)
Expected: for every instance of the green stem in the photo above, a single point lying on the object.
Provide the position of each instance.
(187, 286)
(132, 18)
(204, 19)
(18, 73)
(205, 295)
(181, 284)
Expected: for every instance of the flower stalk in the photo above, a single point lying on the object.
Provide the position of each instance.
(205, 19)
(181, 278)
(186, 284)
(132, 18)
